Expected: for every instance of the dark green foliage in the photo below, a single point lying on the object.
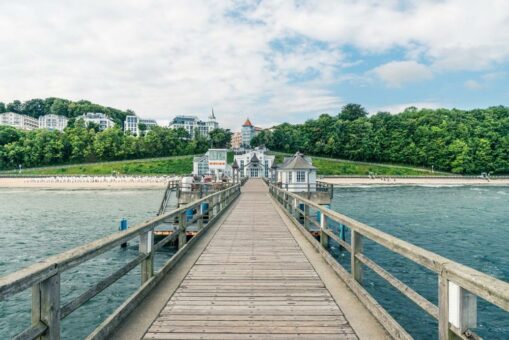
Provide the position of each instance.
(220, 138)
(466, 142)
(79, 144)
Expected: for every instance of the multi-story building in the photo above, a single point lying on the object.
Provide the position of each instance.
(19, 121)
(248, 132)
(131, 125)
(53, 122)
(149, 124)
(194, 126)
(236, 140)
(98, 118)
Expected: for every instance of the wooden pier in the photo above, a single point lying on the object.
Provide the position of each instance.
(253, 270)
(252, 282)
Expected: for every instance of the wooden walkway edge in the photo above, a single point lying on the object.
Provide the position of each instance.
(252, 281)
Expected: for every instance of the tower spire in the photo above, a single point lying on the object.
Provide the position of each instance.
(212, 116)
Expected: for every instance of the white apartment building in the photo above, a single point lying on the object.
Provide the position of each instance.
(98, 118)
(131, 124)
(19, 121)
(53, 122)
(149, 123)
(194, 126)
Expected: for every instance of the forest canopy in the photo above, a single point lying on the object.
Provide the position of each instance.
(464, 142)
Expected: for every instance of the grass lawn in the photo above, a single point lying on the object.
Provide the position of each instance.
(182, 165)
(173, 166)
(328, 166)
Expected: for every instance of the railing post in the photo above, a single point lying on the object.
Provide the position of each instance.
(182, 230)
(357, 248)
(456, 306)
(211, 208)
(443, 308)
(306, 215)
(202, 213)
(146, 247)
(46, 306)
(295, 211)
(324, 238)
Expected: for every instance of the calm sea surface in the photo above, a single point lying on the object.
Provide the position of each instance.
(467, 224)
(35, 224)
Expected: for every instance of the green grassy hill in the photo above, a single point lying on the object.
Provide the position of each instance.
(182, 165)
(329, 166)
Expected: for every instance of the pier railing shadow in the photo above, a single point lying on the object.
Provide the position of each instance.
(43, 278)
(458, 285)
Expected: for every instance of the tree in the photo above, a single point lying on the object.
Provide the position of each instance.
(34, 108)
(15, 106)
(2, 107)
(220, 138)
(352, 112)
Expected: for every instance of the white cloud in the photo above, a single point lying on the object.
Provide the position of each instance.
(397, 73)
(472, 85)
(163, 58)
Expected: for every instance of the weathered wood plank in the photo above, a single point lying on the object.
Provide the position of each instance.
(252, 281)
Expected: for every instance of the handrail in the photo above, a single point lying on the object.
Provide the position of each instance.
(464, 281)
(44, 276)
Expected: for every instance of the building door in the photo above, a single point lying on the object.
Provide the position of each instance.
(254, 172)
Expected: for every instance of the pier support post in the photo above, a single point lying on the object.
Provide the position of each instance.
(46, 306)
(324, 238)
(357, 248)
(182, 231)
(146, 247)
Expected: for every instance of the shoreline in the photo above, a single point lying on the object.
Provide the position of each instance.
(87, 182)
(394, 181)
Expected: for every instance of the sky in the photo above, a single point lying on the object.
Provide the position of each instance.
(272, 61)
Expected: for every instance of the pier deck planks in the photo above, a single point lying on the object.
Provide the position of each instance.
(252, 282)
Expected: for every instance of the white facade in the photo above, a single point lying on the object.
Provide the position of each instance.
(255, 163)
(19, 121)
(194, 126)
(297, 174)
(131, 125)
(98, 118)
(53, 122)
(212, 163)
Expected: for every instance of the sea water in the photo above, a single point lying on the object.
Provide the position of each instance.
(467, 224)
(35, 224)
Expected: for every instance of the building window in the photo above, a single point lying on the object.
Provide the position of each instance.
(266, 168)
(301, 176)
(290, 176)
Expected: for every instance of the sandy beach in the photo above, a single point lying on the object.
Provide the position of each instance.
(86, 182)
(414, 181)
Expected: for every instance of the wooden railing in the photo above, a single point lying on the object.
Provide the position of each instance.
(44, 277)
(459, 285)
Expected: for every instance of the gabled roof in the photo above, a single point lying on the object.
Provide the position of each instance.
(254, 159)
(297, 161)
(247, 123)
(235, 165)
